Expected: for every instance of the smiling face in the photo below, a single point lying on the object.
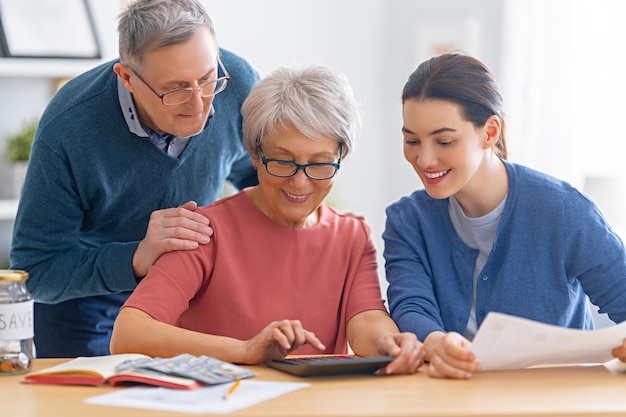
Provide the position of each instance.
(444, 149)
(293, 201)
(182, 65)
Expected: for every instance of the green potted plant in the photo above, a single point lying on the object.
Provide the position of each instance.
(18, 145)
(16, 154)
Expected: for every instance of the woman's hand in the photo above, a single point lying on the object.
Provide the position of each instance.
(620, 351)
(277, 340)
(408, 352)
(449, 356)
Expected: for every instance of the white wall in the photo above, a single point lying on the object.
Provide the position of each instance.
(564, 90)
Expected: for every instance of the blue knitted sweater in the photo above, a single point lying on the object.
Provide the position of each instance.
(552, 248)
(92, 184)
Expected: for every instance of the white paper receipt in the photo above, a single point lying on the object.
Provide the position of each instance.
(508, 342)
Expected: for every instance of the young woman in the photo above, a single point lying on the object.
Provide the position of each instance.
(486, 234)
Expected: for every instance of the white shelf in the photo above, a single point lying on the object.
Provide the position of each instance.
(8, 209)
(45, 68)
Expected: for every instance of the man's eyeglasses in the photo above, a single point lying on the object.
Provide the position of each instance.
(315, 170)
(183, 95)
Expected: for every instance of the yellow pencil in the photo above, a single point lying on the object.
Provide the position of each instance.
(231, 390)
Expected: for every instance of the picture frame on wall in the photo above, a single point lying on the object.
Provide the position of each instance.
(47, 29)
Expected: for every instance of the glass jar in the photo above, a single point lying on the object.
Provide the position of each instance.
(16, 323)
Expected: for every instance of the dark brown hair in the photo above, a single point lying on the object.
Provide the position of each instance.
(463, 80)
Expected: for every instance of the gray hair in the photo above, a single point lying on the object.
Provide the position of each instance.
(315, 100)
(152, 24)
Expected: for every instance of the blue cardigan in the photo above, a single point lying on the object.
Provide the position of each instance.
(551, 248)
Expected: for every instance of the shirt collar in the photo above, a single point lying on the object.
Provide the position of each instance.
(127, 104)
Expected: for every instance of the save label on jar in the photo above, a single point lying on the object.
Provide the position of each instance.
(16, 320)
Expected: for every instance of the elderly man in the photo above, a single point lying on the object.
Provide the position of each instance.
(122, 157)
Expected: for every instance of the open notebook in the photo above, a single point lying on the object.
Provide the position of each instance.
(183, 371)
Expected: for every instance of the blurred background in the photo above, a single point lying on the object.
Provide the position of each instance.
(558, 63)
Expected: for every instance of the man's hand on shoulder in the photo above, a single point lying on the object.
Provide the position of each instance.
(178, 228)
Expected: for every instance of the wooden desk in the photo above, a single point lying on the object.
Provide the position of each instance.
(560, 391)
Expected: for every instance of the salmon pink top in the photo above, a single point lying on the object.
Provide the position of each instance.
(255, 271)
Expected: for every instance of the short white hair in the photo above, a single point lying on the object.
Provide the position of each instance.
(315, 100)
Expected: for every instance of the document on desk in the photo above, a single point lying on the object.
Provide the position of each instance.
(508, 342)
(210, 399)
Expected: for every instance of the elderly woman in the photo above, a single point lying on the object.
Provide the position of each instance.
(284, 273)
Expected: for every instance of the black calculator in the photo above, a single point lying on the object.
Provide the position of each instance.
(330, 365)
